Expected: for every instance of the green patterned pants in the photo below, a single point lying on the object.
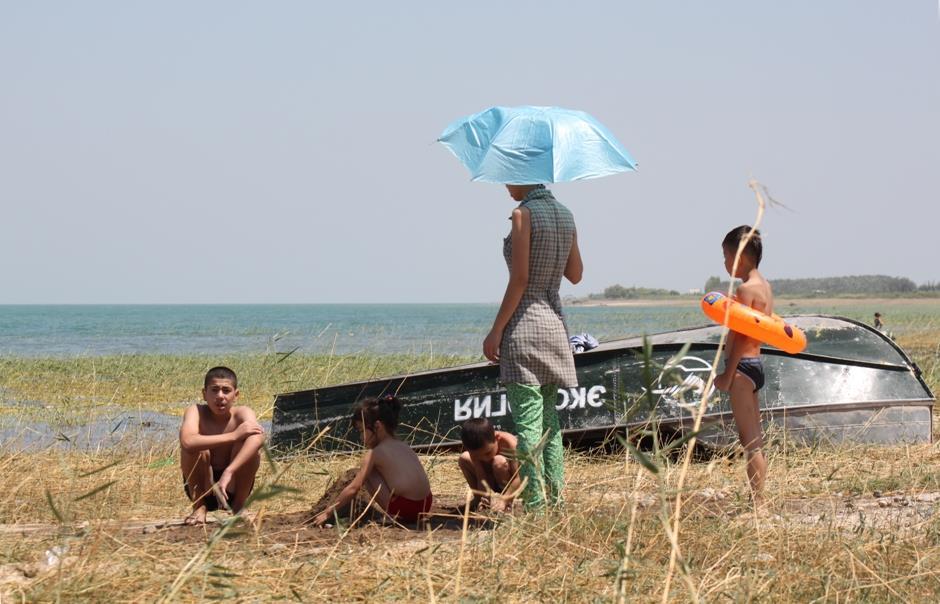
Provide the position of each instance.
(533, 411)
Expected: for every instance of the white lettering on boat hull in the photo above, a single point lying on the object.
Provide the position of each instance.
(475, 406)
(692, 370)
(569, 398)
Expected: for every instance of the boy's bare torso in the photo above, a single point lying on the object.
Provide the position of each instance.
(401, 469)
(506, 444)
(756, 293)
(209, 425)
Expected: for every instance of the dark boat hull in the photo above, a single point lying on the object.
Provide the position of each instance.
(851, 384)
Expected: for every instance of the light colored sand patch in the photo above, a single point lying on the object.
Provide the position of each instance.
(144, 526)
(16, 577)
(901, 515)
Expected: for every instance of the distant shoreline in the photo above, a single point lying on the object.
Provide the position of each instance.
(692, 301)
(634, 302)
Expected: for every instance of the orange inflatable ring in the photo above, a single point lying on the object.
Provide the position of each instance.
(754, 324)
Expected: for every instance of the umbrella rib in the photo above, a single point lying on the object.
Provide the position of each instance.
(551, 132)
(489, 146)
(613, 142)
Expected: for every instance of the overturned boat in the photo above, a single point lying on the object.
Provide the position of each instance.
(851, 384)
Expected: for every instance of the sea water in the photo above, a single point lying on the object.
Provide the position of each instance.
(63, 331)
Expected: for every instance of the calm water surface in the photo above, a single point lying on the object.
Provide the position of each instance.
(315, 328)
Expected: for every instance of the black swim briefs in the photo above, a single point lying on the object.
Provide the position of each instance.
(212, 504)
(753, 369)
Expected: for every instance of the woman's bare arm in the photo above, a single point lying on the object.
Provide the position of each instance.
(574, 268)
(518, 281)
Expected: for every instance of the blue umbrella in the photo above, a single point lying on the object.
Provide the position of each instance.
(531, 145)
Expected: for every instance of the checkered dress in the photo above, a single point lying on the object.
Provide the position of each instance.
(535, 349)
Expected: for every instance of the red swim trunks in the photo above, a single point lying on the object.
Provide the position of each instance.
(407, 510)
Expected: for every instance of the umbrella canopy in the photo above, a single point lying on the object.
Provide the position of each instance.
(532, 145)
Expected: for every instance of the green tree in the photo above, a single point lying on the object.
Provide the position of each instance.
(617, 291)
(713, 284)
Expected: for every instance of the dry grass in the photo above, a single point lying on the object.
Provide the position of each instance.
(924, 348)
(832, 540)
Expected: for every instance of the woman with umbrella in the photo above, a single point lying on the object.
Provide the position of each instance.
(517, 146)
(529, 338)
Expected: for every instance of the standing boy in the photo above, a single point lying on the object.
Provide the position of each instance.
(219, 447)
(489, 457)
(743, 376)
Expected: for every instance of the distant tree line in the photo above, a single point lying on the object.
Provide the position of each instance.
(838, 286)
(860, 285)
(619, 292)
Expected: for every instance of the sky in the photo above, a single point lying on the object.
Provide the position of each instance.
(235, 152)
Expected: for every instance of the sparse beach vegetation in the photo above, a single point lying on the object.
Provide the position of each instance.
(851, 523)
(85, 386)
(854, 523)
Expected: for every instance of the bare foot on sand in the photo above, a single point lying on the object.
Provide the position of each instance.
(197, 517)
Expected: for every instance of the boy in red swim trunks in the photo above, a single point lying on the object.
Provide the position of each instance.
(744, 371)
(390, 470)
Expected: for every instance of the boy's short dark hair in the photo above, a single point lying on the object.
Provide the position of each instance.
(477, 433)
(753, 248)
(220, 373)
(384, 409)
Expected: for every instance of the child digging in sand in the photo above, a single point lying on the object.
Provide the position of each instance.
(219, 446)
(743, 376)
(390, 470)
(489, 460)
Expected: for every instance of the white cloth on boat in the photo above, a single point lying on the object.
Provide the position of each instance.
(582, 342)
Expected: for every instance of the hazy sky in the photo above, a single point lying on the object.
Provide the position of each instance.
(284, 152)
